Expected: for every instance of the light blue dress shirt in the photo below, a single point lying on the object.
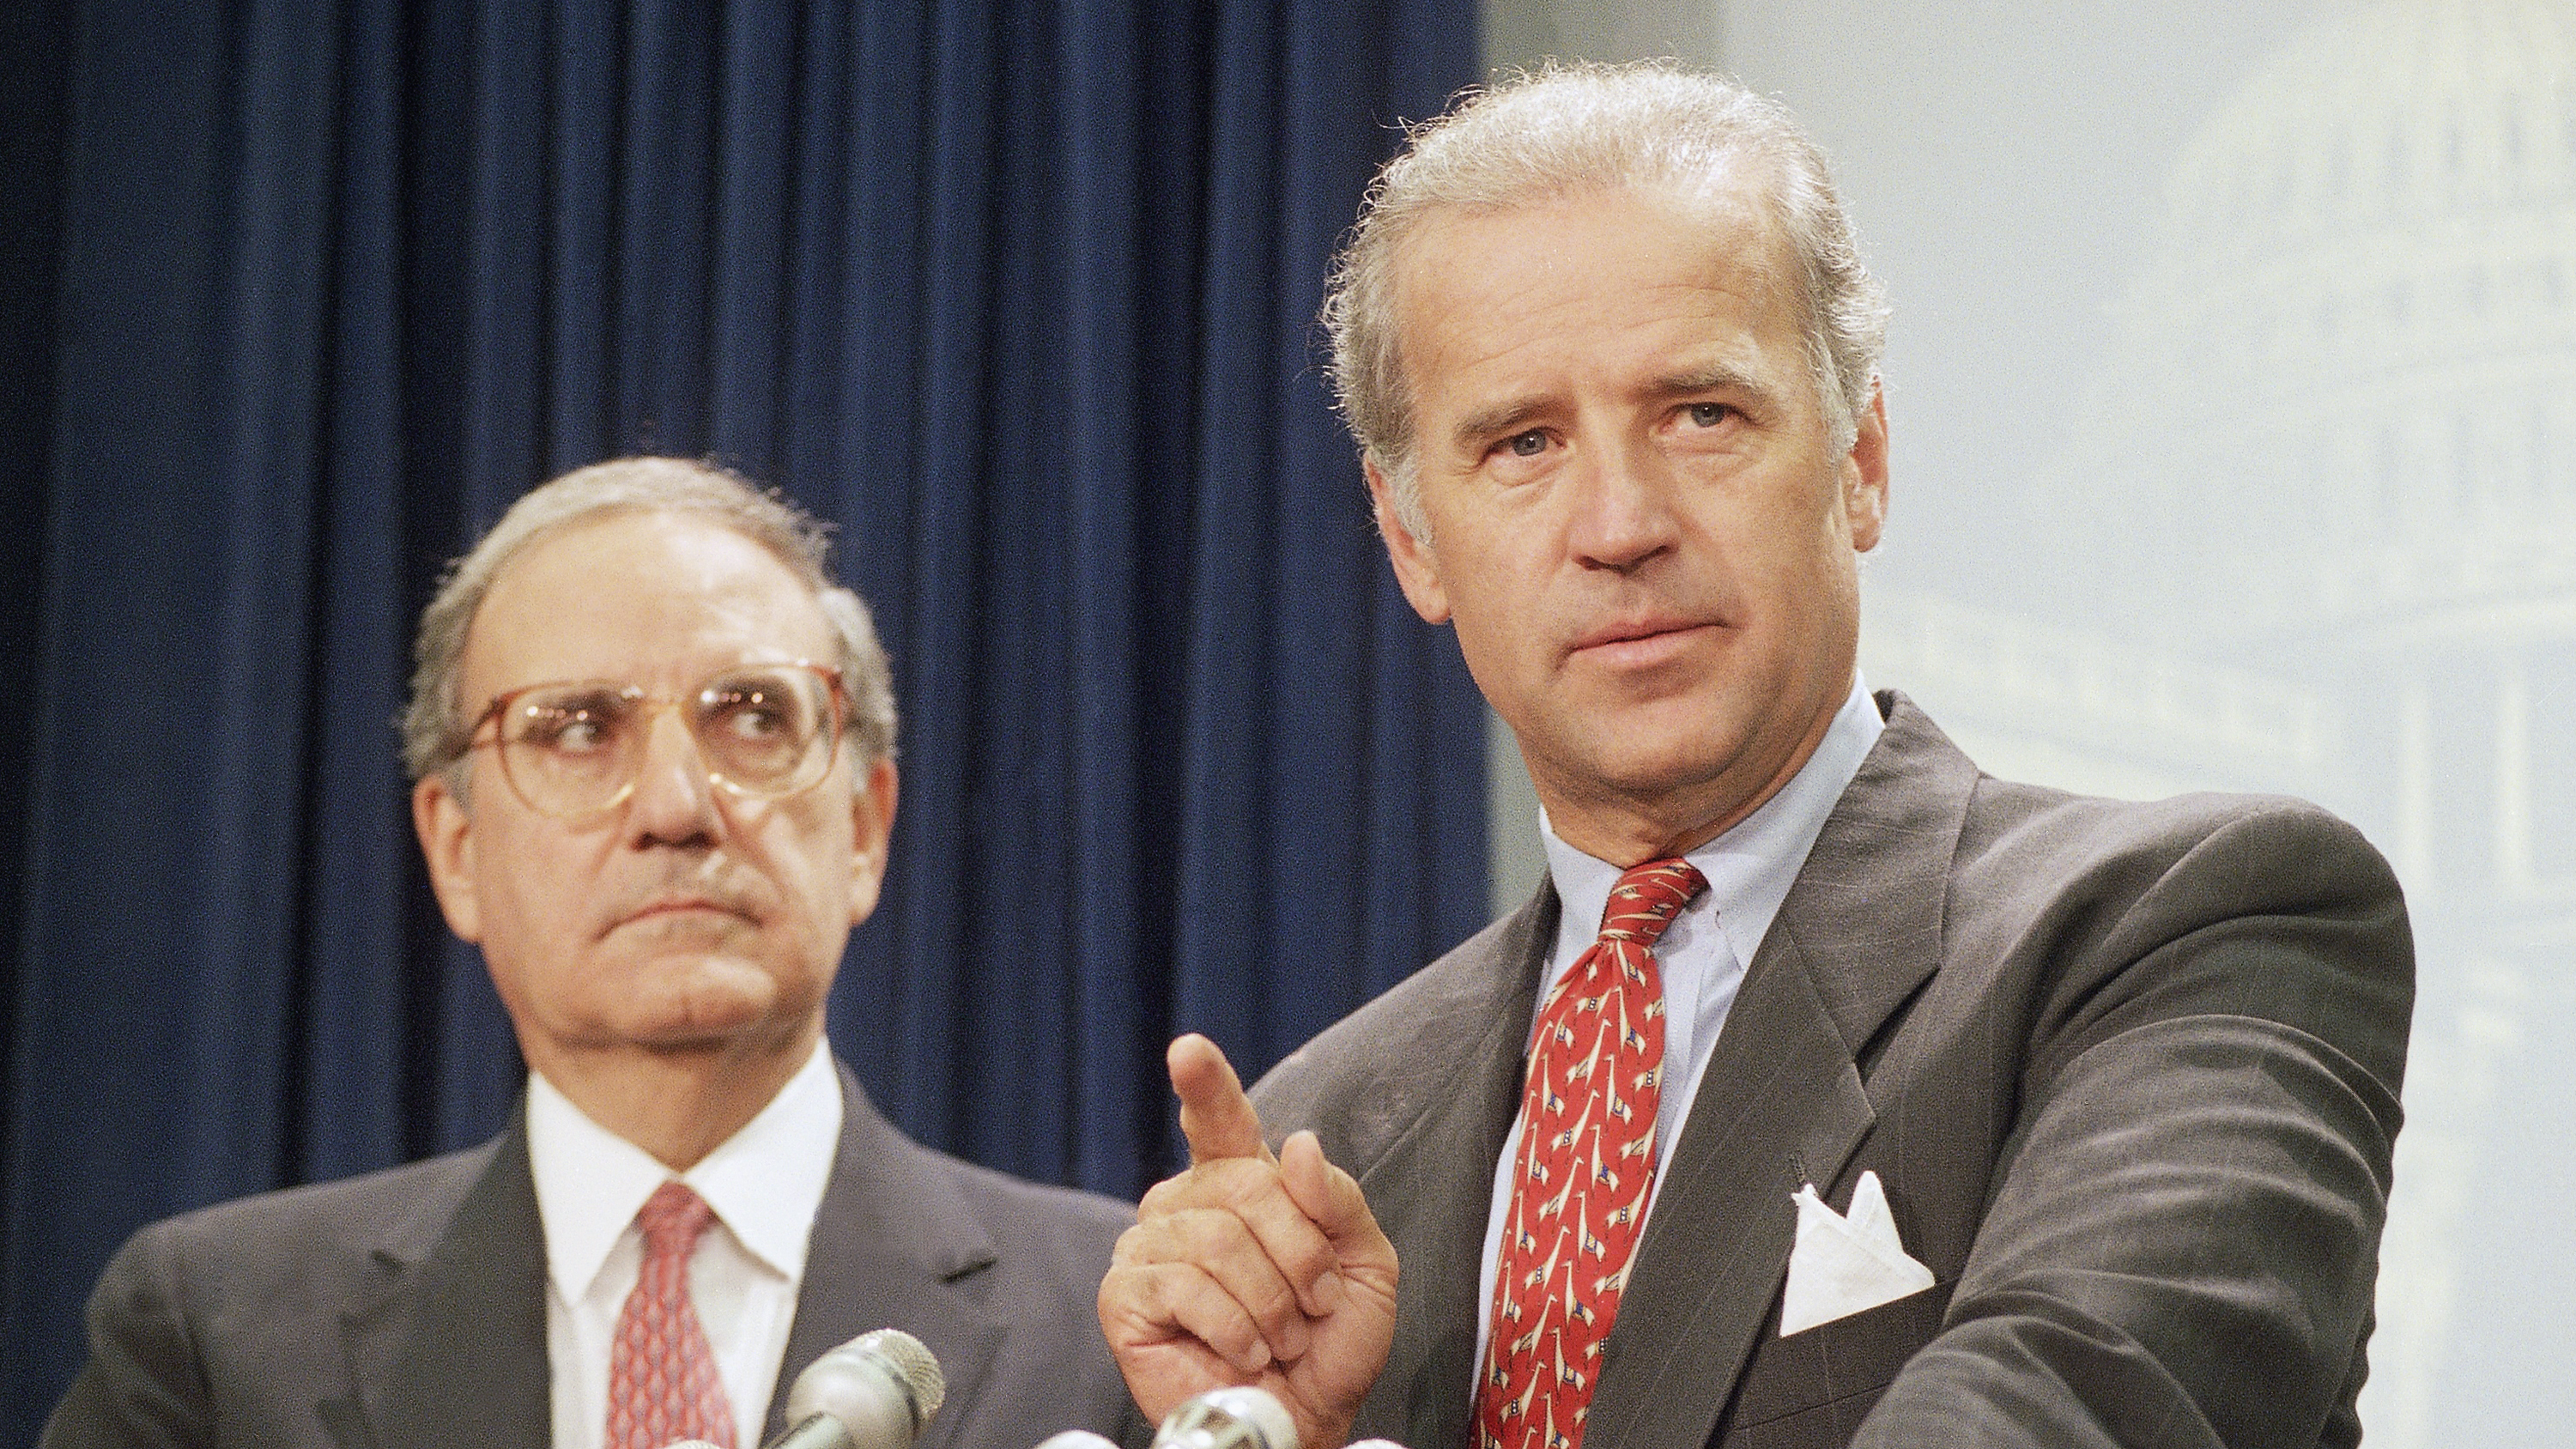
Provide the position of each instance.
(1703, 953)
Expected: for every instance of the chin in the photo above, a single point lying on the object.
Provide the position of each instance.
(1671, 745)
(713, 1005)
(1666, 779)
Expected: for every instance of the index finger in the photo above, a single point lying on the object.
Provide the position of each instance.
(1216, 1116)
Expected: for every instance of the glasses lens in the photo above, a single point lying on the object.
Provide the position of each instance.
(567, 747)
(766, 730)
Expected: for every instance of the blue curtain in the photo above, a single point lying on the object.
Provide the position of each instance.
(301, 293)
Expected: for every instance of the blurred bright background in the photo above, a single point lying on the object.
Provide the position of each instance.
(2232, 397)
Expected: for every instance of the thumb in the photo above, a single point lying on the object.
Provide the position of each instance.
(1216, 1116)
(1333, 1200)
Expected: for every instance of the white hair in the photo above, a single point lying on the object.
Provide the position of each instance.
(1566, 130)
(434, 727)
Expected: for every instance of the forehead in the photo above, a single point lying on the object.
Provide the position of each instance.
(1489, 298)
(648, 596)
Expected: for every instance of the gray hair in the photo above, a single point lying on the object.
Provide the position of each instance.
(1567, 130)
(434, 727)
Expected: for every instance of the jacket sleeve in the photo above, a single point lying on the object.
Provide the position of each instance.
(143, 1385)
(2182, 1237)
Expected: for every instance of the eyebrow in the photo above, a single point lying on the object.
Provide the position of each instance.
(1495, 420)
(1716, 377)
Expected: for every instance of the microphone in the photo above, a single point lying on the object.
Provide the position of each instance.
(874, 1392)
(1228, 1418)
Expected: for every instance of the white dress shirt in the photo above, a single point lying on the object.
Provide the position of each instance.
(765, 1183)
(1703, 953)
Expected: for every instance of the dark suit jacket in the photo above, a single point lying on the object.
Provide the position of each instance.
(2128, 1072)
(408, 1307)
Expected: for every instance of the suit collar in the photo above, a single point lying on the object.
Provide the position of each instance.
(1783, 1097)
(892, 1246)
(1870, 906)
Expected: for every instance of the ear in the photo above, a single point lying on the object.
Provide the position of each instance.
(446, 831)
(872, 827)
(1865, 474)
(1417, 572)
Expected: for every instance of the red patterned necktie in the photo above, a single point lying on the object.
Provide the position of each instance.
(1584, 1167)
(662, 1379)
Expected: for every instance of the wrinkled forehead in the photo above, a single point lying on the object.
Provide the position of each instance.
(1508, 277)
(1733, 206)
(656, 597)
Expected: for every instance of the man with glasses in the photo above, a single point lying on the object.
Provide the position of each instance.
(653, 747)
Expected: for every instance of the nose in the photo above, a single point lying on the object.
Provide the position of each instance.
(673, 804)
(1623, 505)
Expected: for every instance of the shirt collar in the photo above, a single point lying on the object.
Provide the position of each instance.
(1751, 864)
(765, 1182)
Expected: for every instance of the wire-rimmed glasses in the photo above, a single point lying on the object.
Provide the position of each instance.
(574, 750)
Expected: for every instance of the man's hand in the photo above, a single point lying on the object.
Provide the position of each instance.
(1250, 1269)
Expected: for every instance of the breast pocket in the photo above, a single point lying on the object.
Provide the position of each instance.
(1811, 1390)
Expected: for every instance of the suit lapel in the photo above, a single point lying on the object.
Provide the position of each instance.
(1783, 1096)
(1780, 1090)
(1429, 1172)
(891, 1240)
(452, 1348)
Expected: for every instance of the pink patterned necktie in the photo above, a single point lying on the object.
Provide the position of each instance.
(662, 1379)
(1584, 1167)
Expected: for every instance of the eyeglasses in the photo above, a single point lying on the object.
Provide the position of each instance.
(575, 750)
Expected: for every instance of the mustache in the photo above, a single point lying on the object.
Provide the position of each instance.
(713, 880)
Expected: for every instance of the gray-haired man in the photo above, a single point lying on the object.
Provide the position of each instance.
(653, 746)
(1830, 1092)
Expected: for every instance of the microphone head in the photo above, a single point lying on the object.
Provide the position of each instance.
(1240, 1417)
(882, 1387)
(912, 1364)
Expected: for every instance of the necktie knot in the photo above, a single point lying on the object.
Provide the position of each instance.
(1647, 898)
(671, 1220)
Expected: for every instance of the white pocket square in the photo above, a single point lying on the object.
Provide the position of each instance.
(1841, 1264)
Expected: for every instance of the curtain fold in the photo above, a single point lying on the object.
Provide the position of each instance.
(1019, 296)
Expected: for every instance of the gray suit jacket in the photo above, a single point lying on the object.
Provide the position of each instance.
(407, 1308)
(2128, 1073)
